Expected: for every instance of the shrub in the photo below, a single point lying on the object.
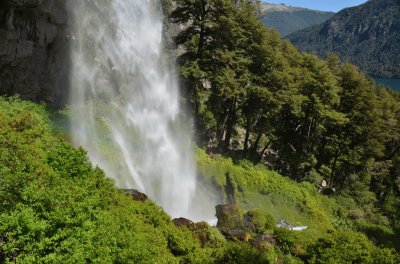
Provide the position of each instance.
(344, 246)
(261, 220)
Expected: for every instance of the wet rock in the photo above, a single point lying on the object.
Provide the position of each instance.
(251, 226)
(136, 195)
(202, 231)
(231, 223)
(238, 235)
(179, 222)
(34, 50)
(230, 217)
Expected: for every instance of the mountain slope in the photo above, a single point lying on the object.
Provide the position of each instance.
(367, 35)
(288, 19)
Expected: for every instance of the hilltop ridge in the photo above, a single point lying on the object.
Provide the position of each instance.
(367, 35)
(288, 19)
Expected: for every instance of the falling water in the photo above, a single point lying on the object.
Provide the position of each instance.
(125, 101)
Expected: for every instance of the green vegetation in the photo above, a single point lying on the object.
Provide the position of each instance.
(255, 97)
(332, 235)
(327, 128)
(258, 187)
(323, 124)
(56, 208)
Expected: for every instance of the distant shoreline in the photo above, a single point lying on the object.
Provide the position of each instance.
(390, 83)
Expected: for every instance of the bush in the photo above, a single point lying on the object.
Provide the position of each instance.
(261, 220)
(284, 239)
(242, 253)
(346, 246)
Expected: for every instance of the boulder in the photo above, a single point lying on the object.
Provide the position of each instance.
(136, 195)
(231, 222)
(179, 222)
(230, 217)
(201, 230)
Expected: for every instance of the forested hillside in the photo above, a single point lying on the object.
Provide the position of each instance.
(255, 97)
(288, 19)
(367, 36)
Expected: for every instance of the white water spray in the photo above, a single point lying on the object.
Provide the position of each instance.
(125, 102)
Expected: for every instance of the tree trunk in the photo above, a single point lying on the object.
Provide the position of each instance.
(200, 47)
(246, 138)
(264, 149)
(258, 139)
(230, 124)
(333, 169)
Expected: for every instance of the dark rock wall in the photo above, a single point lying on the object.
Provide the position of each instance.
(34, 59)
(34, 49)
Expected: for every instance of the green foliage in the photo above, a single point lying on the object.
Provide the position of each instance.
(255, 97)
(56, 208)
(243, 253)
(284, 239)
(275, 195)
(261, 220)
(349, 247)
(299, 204)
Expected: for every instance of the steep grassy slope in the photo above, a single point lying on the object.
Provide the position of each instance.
(327, 217)
(258, 187)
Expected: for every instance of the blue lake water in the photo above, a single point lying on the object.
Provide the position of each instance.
(390, 83)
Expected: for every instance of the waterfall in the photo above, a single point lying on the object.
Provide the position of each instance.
(124, 101)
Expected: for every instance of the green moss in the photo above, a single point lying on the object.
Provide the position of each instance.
(230, 217)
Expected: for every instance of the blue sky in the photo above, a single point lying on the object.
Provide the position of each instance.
(327, 5)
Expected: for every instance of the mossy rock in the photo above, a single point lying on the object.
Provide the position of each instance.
(230, 217)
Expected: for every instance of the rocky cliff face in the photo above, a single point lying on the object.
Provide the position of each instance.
(33, 50)
(366, 35)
